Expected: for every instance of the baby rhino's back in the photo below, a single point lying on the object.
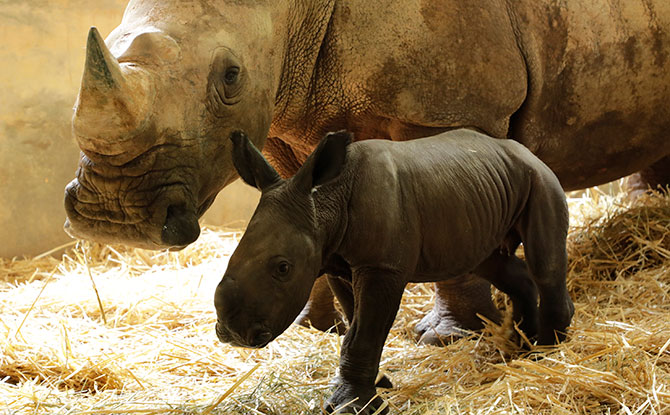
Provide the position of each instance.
(447, 200)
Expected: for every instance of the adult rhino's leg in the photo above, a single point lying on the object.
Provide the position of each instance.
(320, 311)
(457, 303)
(344, 293)
(655, 176)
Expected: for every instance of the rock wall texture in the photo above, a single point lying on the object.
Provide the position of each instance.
(42, 55)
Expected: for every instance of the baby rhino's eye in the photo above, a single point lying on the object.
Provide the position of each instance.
(283, 268)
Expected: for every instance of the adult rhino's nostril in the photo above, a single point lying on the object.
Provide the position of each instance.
(181, 226)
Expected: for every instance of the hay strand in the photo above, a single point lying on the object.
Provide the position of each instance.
(25, 316)
(84, 255)
(231, 389)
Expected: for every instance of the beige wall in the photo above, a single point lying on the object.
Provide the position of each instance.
(41, 61)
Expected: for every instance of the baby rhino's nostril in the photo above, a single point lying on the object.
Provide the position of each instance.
(259, 337)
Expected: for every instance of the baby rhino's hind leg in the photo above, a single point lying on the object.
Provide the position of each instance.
(510, 275)
(543, 228)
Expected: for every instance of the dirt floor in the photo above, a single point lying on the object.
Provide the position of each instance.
(108, 330)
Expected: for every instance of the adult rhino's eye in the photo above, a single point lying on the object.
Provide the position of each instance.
(231, 75)
(225, 82)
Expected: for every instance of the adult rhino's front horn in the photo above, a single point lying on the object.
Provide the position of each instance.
(114, 102)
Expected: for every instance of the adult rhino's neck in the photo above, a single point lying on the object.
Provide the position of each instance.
(308, 24)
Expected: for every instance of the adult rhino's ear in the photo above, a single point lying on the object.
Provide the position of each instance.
(326, 162)
(250, 163)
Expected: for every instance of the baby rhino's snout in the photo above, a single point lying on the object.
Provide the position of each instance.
(224, 298)
(232, 325)
(258, 336)
(226, 310)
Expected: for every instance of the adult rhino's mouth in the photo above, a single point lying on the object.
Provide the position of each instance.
(172, 224)
(162, 216)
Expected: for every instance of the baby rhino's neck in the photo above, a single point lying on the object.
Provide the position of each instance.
(331, 201)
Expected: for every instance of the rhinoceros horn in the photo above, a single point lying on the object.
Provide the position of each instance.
(113, 103)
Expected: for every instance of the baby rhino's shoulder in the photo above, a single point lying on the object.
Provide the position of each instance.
(484, 146)
(465, 139)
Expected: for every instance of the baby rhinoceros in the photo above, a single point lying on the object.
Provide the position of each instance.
(378, 214)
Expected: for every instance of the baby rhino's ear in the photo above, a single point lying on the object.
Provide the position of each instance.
(250, 163)
(329, 157)
(326, 162)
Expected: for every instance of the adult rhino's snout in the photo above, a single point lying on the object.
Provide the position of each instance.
(112, 217)
(180, 228)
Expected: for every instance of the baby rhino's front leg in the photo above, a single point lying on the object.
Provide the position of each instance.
(377, 297)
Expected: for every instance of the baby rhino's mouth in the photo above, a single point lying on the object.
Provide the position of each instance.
(255, 337)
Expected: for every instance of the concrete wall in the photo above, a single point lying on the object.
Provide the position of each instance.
(41, 61)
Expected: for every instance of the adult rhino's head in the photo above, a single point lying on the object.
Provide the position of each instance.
(272, 271)
(155, 101)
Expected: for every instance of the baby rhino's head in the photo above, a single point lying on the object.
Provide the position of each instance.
(271, 273)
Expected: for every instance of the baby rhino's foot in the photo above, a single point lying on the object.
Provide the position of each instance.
(554, 322)
(348, 399)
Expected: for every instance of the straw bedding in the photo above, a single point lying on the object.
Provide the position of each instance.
(108, 330)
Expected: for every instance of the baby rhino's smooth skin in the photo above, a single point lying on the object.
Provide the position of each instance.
(379, 214)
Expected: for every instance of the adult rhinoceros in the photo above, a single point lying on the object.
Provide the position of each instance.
(584, 85)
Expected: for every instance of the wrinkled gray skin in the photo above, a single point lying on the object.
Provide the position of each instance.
(583, 85)
(376, 215)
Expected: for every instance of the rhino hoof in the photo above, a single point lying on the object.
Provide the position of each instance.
(322, 317)
(384, 382)
(346, 401)
(436, 330)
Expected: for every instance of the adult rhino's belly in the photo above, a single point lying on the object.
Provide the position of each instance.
(599, 151)
(598, 106)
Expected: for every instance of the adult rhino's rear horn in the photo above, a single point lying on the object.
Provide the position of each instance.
(113, 103)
